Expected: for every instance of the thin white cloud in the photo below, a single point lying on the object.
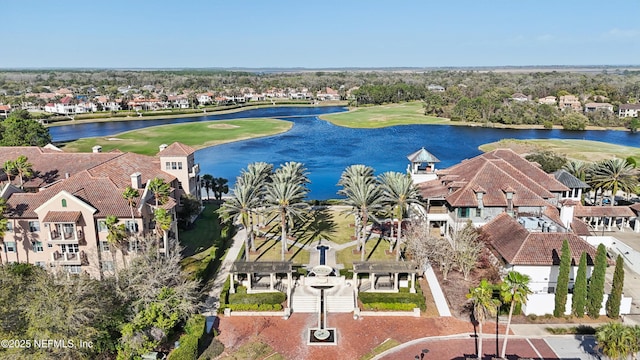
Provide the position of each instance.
(617, 33)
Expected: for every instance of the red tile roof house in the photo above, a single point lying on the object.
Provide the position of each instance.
(523, 213)
(5, 110)
(58, 221)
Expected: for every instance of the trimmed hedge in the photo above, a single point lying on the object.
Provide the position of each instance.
(224, 296)
(389, 306)
(369, 298)
(271, 298)
(190, 341)
(255, 307)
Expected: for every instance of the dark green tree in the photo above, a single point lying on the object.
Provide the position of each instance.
(596, 285)
(220, 186)
(548, 160)
(562, 285)
(613, 302)
(19, 130)
(579, 298)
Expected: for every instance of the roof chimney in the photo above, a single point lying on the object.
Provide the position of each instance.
(136, 180)
(97, 149)
(163, 146)
(66, 175)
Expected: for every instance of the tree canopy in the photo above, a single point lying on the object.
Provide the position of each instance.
(20, 130)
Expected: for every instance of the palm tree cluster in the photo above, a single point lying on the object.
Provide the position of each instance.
(392, 194)
(20, 167)
(483, 304)
(610, 175)
(278, 194)
(618, 341)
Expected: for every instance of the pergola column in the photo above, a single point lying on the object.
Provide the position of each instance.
(232, 287)
(271, 279)
(395, 281)
(289, 281)
(355, 279)
(413, 283)
(248, 281)
(372, 278)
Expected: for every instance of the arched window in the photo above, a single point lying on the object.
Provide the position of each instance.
(64, 202)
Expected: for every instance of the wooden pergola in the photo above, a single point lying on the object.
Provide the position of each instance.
(255, 269)
(392, 269)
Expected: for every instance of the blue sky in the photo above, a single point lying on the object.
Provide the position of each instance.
(320, 34)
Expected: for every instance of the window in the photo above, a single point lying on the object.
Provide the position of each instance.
(73, 269)
(102, 226)
(107, 265)
(478, 212)
(133, 245)
(37, 246)
(34, 226)
(9, 226)
(42, 264)
(167, 166)
(174, 165)
(180, 165)
(69, 248)
(104, 246)
(132, 226)
(10, 246)
(463, 212)
(64, 202)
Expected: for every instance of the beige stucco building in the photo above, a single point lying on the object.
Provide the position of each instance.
(57, 219)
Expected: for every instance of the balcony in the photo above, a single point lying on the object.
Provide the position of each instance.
(195, 170)
(70, 258)
(66, 236)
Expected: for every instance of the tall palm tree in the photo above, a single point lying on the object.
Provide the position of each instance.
(257, 175)
(9, 168)
(24, 168)
(483, 306)
(206, 182)
(4, 227)
(360, 187)
(239, 207)
(130, 194)
(163, 220)
(577, 168)
(116, 235)
(160, 190)
(616, 340)
(220, 186)
(615, 174)
(514, 289)
(285, 197)
(399, 192)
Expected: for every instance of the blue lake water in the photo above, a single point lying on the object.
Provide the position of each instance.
(326, 149)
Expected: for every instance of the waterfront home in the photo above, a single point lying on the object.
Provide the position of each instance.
(569, 102)
(57, 218)
(548, 100)
(592, 107)
(628, 110)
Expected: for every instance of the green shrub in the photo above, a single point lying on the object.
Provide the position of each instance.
(190, 340)
(260, 298)
(224, 296)
(393, 298)
(532, 317)
(255, 307)
(547, 124)
(214, 350)
(389, 306)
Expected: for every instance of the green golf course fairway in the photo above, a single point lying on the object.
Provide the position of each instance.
(197, 134)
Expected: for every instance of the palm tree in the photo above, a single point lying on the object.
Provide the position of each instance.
(483, 306)
(514, 289)
(285, 195)
(160, 190)
(116, 235)
(239, 208)
(220, 187)
(9, 168)
(207, 183)
(257, 175)
(616, 340)
(130, 194)
(163, 220)
(4, 227)
(615, 174)
(399, 192)
(24, 168)
(577, 168)
(363, 194)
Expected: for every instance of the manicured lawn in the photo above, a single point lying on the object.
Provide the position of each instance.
(199, 134)
(384, 346)
(203, 233)
(584, 150)
(375, 251)
(383, 116)
(253, 349)
(271, 250)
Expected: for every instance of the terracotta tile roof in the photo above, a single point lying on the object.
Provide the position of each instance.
(526, 167)
(5, 107)
(62, 217)
(177, 149)
(51, 166)
(635, 207)
(612, 211)
(120, 168)
(580, 227)
(517, 246)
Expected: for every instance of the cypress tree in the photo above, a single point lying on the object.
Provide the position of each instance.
(613, 302)
(580, 288)
(562, 285)
(596, 285)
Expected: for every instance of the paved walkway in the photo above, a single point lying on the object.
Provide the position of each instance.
(212, 303)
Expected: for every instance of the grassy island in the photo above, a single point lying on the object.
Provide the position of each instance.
(197, 134)
(384, 115)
